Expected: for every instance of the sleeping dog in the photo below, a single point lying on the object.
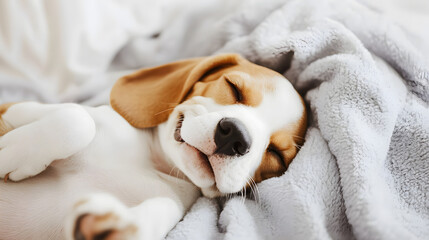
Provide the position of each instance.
(207, 126)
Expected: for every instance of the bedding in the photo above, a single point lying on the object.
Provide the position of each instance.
(363, 171)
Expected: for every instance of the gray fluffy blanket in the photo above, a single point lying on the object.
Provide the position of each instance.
(363, 171)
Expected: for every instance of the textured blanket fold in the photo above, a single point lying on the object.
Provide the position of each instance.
(363, 171)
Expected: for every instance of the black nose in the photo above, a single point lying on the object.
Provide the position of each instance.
(232, 137)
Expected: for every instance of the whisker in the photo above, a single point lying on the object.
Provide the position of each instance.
(303, 138)
(257, 197)
(171, 170)
(245, 194)
(297, 146)
(175, 104)
(177, 172)
(168, 109)
(249, 181)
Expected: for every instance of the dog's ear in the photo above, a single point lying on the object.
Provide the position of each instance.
(147, 97)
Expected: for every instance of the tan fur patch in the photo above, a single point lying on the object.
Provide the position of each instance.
(6, 178)
(4, 126)
(285, 142)
(107, 217)
(252, 83)
(92, 226)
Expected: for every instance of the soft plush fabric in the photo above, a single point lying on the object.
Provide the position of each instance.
(363, 171)
(62, 50)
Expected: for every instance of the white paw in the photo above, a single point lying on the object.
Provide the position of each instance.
(58, 133)
(20, 156)
(101, 216)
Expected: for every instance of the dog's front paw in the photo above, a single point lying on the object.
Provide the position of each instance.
(19, 158)
(101, 216)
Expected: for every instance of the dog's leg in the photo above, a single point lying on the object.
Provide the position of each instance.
(38, 134)
(157, 216)
(101, 216)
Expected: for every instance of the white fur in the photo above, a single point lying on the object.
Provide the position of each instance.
(24, 153)
(144, 177)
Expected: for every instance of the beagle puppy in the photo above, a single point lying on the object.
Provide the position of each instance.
(211, 126)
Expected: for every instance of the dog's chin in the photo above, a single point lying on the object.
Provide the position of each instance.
(211, 192)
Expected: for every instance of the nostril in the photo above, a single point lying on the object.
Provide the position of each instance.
(224, 128)
(240, 149)
(225, 131)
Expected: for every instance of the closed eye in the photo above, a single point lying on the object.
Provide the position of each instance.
(274, 152)
(237, 93)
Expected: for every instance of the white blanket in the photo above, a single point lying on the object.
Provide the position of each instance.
(363, 171)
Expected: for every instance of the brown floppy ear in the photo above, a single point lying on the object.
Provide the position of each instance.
(147, 97)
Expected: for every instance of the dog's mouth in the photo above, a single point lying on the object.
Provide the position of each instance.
(178, 138)
(177, 135)
(202, 158)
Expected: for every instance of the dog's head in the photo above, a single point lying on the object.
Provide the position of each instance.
(222, 120)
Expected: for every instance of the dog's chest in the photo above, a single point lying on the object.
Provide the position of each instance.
(116, 142)
(118, 160)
